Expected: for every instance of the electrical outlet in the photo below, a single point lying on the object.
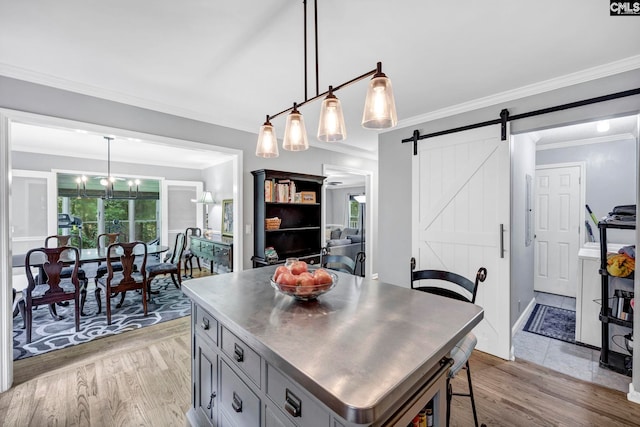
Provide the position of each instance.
(247, 228)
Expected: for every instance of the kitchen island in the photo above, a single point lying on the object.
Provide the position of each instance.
(366, 353)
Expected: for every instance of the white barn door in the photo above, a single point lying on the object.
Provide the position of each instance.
(461, 194)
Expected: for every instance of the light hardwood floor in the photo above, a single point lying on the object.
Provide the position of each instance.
(142, 378)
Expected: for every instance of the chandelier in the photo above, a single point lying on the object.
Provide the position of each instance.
(109, 183)
(379, 108)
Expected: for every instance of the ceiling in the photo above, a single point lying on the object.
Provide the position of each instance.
(83, 144)
(232, 63)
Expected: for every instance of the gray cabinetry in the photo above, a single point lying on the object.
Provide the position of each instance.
(206, 386)
(269, 360)
(205, 367)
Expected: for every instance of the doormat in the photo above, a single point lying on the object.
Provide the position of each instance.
(49, 334)
(553, 322)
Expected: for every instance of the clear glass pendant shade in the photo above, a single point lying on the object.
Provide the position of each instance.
(331, 126)
(295, 134)
(380, 106)
(267, 146)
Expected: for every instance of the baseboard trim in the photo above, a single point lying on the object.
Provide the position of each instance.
(633, 395)
(523, 317)
(516, 327)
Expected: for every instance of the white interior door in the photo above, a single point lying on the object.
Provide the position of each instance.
(557, 229)
(461, 196)
(178, 211)
(33, 209)
(34, 214)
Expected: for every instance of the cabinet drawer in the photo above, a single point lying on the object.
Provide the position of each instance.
(242, 355)
(206, 247)
(205, 324)
(274, 418)
(239, 403)
(302, 409)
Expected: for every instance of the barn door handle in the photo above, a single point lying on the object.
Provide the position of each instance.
(501, 240)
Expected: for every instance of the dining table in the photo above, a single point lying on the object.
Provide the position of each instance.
(87, 255)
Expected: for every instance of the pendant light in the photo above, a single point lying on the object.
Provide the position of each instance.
(331, 126)
(379, 111)
(379, 107)
(267, 146)
(295, 134)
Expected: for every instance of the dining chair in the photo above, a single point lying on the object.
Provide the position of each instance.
(125, 278)
(76, 242)
(18, 306)
(452, 285)
(338, 262)
(49, 287)
(188, 255)
(103, 241)
(171, 265)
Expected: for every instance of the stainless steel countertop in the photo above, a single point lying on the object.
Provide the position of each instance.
(357, 348)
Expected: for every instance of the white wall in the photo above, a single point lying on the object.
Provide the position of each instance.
(38, 162)
(337, 203)
(610, 177)
(523, 156)
(219, 180)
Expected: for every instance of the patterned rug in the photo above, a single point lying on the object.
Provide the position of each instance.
(553, 322)
(49, 334)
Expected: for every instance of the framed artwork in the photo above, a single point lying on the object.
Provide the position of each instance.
(227, 217)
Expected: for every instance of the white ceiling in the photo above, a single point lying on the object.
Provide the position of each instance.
(85, 144)
(232, 63)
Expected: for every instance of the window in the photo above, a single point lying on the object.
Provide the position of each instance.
(135, 219)
(355, 211)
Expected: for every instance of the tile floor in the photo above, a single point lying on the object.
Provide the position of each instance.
(577, 361)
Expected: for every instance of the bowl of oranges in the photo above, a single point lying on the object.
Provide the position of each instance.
(296, 279)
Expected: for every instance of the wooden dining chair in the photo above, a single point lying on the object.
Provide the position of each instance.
(452, 285)
(188, 256)
(50, 288)
(125, 278)
(170, 265)
(75, 241)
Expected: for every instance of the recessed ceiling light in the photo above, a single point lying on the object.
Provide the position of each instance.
(81, 131)
(602, 126)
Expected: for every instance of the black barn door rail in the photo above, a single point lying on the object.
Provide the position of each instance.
(505, 117)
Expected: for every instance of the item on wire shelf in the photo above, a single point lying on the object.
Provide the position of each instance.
(623, 303)
(620, 265)
(623, 214)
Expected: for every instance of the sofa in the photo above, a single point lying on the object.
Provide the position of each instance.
(344, 241)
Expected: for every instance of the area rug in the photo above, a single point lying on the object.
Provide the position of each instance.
(553, 322)
(49, 334)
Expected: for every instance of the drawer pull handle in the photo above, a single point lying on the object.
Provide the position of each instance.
(292, 404)
(238, 353)
(237, 403)
(211, 400)
(205, 323)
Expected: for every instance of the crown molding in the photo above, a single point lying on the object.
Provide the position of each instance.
(601, 71)
(586, 141)
(99, 92)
